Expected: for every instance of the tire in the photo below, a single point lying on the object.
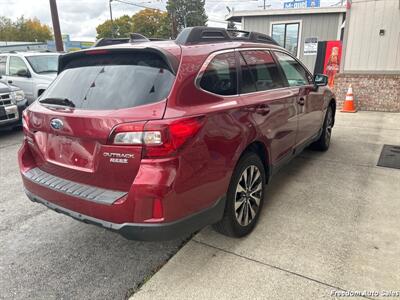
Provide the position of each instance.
(324, 141)
(234, 222)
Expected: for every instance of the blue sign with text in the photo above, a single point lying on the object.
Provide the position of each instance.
(301, 4)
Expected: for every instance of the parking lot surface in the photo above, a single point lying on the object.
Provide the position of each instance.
(45, 255)
(330, 224)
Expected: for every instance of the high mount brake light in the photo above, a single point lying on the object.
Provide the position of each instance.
(94, 52)
(159, 138)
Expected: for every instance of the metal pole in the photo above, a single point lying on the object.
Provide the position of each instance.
(265, 4)
(56, 26)
(112, 21)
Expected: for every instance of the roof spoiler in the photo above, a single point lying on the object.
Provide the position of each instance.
(66, 59)
(202, 34)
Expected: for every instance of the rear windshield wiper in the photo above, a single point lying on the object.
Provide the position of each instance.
(58, 101)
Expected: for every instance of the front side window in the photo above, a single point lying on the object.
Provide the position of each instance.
(260, 72)
(43, 63)
(220, 76)
(111, 81)
(295, 74)
(3, 62)
(287, 35)
(17, 65)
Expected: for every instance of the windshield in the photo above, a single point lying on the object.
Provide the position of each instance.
(43, 63)
(106, 82)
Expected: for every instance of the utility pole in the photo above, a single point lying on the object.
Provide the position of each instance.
(112, 21)
(56, 26)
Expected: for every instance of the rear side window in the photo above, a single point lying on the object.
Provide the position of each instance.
(112, 81)
(262, 69)
(247, 83)
(296, 75)
(220, 76)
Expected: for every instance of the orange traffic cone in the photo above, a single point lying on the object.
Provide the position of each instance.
(348, 105)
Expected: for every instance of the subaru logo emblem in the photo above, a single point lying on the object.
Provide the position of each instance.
(56, 124)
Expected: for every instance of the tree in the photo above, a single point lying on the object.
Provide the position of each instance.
(152, 23)
(186, 13)
(122, 28)
(28, 30)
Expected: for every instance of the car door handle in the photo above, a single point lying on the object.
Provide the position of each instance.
(301, 101)
(10, 81)
(263, 109)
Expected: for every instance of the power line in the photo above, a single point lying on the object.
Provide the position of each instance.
(137, 5)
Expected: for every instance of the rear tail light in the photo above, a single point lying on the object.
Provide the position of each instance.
(159, 138)
(138, 138)
(25, 120)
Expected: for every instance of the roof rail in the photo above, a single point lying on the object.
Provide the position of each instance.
(108, 42)
(202, 34)
(134, 38)
(138, 38)
(252, 36)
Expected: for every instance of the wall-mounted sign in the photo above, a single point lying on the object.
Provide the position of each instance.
(301, 4)
(310, 46)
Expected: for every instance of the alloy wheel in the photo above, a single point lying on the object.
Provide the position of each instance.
(248, 195)
(329, 125)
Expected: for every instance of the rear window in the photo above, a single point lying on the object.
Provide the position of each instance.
(112, 81)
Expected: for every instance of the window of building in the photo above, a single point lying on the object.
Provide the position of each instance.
(3, 62)
(259, 72)
(16, 65)
(295, 74)
(287, 35)
(220, 77)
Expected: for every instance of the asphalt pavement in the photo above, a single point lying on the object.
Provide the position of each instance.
(45, 255)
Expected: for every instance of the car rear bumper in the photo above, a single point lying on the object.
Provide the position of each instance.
(146, 232)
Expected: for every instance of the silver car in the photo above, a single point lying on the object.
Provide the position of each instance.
(31, 71)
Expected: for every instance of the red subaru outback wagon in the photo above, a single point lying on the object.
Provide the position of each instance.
(156, 140)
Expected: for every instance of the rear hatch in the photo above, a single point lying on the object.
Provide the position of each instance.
(69, 128)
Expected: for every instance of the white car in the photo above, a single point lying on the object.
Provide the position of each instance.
(31, 71)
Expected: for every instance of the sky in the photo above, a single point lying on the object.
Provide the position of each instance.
(79, 18)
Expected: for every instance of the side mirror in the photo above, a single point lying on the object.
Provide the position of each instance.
(23, 73)
(320, 80)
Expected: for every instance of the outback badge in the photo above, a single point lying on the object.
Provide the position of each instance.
(118, 158)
